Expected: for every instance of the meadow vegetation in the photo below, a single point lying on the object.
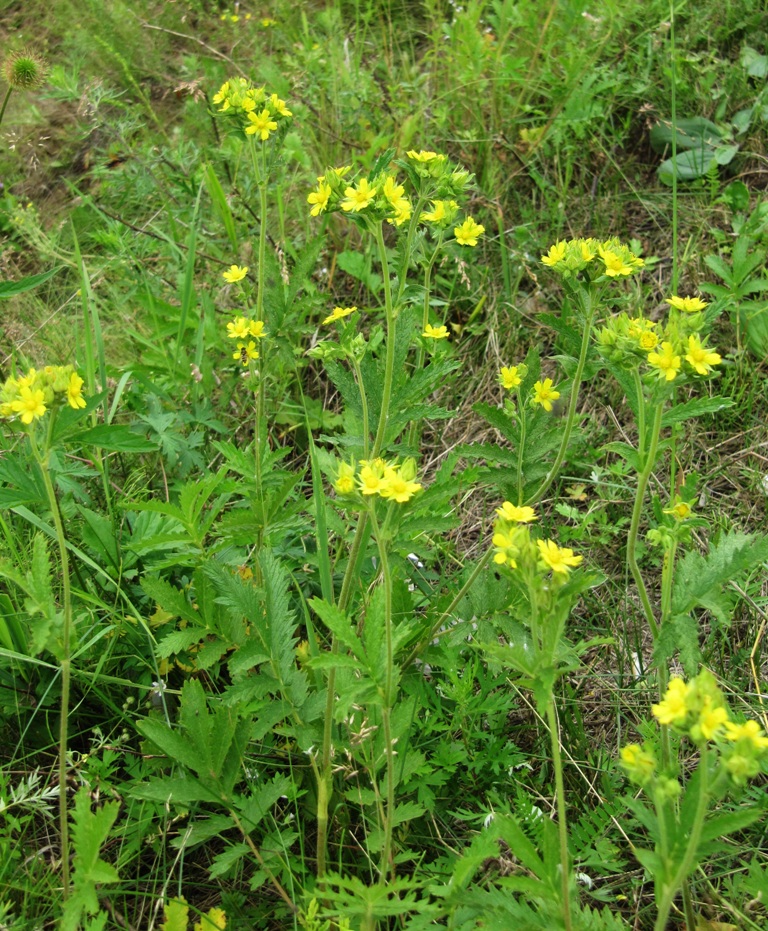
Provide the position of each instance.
(383, 465)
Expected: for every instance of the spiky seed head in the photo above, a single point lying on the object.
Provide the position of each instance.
(25, 69)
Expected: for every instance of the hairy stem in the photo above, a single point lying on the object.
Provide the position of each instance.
(66, 661)
(562, 824)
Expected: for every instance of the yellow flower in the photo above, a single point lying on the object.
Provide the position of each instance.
(556, 254)
(699, 357)
(235, 273)
(648, 340)
(691, 305)
(245, 352)
(371, 477)
(749, 730)
(467, 233)
(506, 550)
(279, 106)
(75, 397)
(559, 559)
(674, 708)
(517, 514)
(681, 510)
(436, 214)
(509, 377)
(392, 190)
(339, 313)
(544, 393)
(397, 488)
(345, 479)
(425, 156)
(432, 332)
(319, 198)
(29, 404)
(711, 720)
(614, 264)
(358, 198)
(263, 124)
(667, 362)
(223, 93)
(256, 329)
(639, 762)
(238, 328)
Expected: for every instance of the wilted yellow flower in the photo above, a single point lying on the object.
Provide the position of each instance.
(279, 106)
(639, 763)
(506, 549)
(681, 510)
(436, 214)
(345, 479)
(711, 720)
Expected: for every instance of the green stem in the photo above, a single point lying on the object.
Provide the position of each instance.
(521, 448)
(449, 610)
(364, 404)
(66, 661)
(5, 103)
(260, 174)
(671, 888)
(325, 778)
(386, 854)
(562, 824)
(389, 365)
(589, 308)
(642, 484)
(414, 431)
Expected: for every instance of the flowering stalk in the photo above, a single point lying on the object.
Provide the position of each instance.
(589, 307)
(413, 433)
(562, 824)
(386, 709)
(389, 365)
(43, 459)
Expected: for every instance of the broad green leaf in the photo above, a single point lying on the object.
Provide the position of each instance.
(691, 133)
(12, 288)
(695, 163)
(695, 408)
(116, 438)
(725, 823)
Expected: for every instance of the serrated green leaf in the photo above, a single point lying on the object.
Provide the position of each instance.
(733, 554)
(695, 408)
(175, 915)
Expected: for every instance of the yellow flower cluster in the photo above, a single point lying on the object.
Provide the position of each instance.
(247, 332)
(30, 396)
(671, 350)
(513, 544)
(610, 258)
(389, 480)
(698, 710)
(256, 112)
(384, 196)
